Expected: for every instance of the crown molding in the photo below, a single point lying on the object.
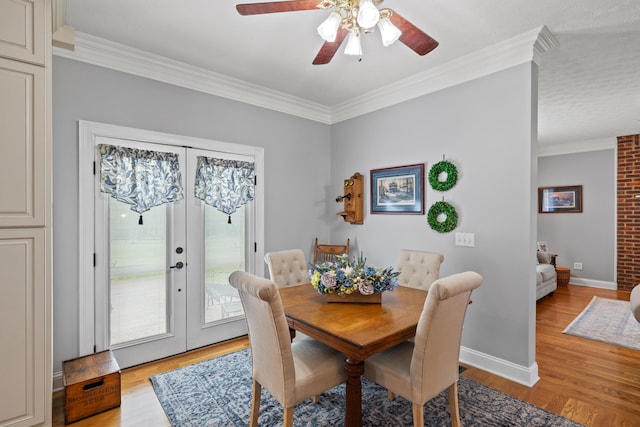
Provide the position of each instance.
(105, 53)
(526, 47)
(577, 146)
(544, 41)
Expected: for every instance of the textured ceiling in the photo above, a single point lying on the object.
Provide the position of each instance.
(589, 85)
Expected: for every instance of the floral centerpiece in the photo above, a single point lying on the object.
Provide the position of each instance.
(346, 277)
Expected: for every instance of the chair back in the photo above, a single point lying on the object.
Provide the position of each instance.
(418, 269)
(327, 253)
(287, 268)
(434, 363)
(272, 359)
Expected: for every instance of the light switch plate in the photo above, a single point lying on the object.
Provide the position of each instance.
(465, 239)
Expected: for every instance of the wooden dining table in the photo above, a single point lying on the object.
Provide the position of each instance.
(358, 330)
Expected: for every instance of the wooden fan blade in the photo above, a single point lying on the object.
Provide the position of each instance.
(276, 6)
(412, 36)
(329, 49)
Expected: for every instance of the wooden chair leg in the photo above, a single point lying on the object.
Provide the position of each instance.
(255, 403)
(315, 399)
(454, 409)
(391, 395)
(288, 416)
(418, 415)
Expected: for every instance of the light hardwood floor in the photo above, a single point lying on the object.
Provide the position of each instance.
(593, 383)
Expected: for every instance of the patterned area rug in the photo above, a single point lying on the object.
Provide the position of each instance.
(609, 321)
(217, 392)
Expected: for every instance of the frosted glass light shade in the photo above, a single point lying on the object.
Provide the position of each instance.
(388, 32)
(329, 27)
(368, 15)
(353, 45)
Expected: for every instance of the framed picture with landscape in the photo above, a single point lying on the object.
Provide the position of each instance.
(560, 199)
(398, 190)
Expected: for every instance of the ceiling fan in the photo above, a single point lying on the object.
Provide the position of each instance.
(350, 18)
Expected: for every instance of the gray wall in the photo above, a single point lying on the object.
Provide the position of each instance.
(485, 128)
(587, 237)
(297, 158)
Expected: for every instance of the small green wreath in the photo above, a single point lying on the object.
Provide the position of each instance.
(449, 223)
(434, 175)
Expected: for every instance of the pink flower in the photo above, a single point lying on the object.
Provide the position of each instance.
(328, 280)
(366, 288)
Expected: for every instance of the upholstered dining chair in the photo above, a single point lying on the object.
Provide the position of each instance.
(291, 372)
(287, 268)
(418, 269)
(419, 370)
(327, 253)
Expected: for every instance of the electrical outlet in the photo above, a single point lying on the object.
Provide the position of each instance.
(577, 266)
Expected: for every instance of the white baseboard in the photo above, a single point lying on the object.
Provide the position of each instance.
(58, 384)
(524, 375)
(593, 283)
(517, 373)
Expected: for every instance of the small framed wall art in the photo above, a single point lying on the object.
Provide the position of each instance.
(398, 190)
(560, 199)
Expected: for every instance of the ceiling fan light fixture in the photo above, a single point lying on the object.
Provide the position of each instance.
(329, 27)
(388, 32)
(353, 46)
(368, 14)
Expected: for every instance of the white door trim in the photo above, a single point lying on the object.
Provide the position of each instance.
(87, 134)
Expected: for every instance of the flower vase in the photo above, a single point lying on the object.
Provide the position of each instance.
(356, 297)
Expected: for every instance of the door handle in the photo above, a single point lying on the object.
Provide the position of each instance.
(178, 265)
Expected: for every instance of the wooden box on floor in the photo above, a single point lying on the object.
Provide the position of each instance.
(91, 385)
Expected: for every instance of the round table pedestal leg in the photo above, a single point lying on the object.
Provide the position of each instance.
(353, 405)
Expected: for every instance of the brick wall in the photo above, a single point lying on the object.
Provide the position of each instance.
(628, 269)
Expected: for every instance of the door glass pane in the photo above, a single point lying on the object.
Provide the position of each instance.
(138, 273)
(223, 253)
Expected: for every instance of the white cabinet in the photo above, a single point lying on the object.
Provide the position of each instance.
(23, 138)
(23, 313)
(25, 213)
(22, 30)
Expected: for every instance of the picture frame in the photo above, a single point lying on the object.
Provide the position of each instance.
(566, 199)
(542, 247)
(398, 190)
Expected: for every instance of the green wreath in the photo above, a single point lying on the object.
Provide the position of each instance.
(450, 222)
(434, 175)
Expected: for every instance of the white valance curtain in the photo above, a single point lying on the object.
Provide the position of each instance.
(224, 184)
(140, 178)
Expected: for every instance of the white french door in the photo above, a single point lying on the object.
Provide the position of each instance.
(215, 249)
(161, 279)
